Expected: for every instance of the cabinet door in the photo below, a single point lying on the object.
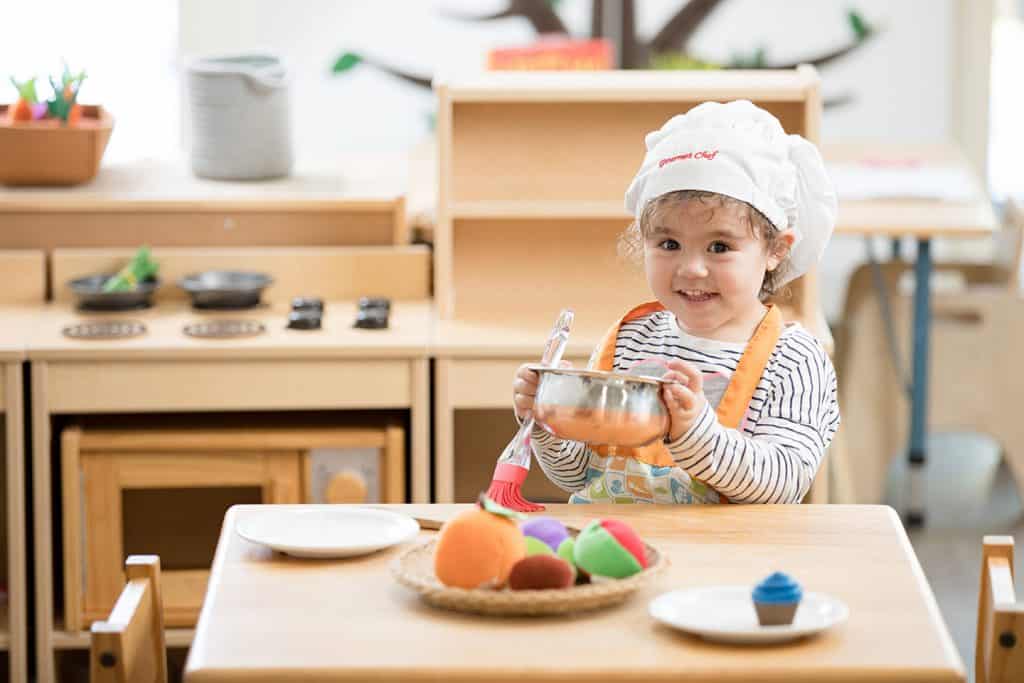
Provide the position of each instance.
(172, 491)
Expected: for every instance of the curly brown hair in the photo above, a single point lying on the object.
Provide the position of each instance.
(631, 241)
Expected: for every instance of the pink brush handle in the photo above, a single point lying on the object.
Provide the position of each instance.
(515, 474)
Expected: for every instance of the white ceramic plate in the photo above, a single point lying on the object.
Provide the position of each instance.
(726, 614)
(339, 532)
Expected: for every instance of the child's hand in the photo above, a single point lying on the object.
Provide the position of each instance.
(685, 401)
(524, 390)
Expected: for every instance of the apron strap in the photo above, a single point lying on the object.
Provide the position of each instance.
(733, 406)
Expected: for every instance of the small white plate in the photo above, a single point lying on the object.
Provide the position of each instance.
(340, 532)
(726, 614)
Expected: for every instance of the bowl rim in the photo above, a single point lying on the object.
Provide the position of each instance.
(599, 374)
(191, 282)
(78, 284)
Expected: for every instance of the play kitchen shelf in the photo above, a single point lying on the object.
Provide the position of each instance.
(24, 292)
(163, 204)
(532, 171)
(336, 370)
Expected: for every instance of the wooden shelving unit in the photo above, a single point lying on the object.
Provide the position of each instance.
(26, 285)
(532, 169)
(161, 203)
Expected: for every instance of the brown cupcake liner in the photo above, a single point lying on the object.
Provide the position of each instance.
(775, 614)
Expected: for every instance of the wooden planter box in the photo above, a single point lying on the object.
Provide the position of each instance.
(47, 153)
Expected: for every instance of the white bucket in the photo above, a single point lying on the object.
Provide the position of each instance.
(239, 114)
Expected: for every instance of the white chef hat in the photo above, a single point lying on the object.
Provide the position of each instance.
(740, 150)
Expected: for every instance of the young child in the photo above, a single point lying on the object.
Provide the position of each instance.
(729, 208)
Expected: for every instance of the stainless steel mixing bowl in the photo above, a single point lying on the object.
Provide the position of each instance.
(599, 407)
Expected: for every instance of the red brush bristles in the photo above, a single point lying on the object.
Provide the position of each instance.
(506, 488)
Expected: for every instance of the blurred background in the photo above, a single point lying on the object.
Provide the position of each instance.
(925, 70)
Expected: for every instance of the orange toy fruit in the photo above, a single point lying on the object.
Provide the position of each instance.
(477, 548)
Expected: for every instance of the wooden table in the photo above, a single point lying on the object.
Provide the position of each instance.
(268, 617)
(923, 220)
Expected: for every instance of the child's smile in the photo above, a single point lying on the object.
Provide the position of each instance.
(705, 264)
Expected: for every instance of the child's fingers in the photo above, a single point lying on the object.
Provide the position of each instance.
(694, 379)
(523, 404)
(527, 377)
(674, 376)
(678, 397)
(522, 385)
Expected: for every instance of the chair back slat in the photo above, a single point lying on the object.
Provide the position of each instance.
(129, 646)
(999, 649)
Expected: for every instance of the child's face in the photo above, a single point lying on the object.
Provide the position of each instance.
(704, 265)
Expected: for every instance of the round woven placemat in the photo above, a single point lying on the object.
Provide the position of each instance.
(415, 569)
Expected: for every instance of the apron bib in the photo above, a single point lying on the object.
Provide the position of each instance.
(648, 474)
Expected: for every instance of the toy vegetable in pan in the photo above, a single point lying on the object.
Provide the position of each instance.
(141, 267)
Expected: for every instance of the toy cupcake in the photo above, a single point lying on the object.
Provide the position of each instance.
(776, 599)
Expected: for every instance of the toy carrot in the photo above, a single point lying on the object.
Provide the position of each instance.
(22, 108)
(65, 95)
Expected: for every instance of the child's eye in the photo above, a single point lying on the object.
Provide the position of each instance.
(668, 245)
(718, 247)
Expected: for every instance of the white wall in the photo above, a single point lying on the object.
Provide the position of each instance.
(127, 48)
(901, 79)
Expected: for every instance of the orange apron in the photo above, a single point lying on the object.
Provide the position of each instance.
(648, 473)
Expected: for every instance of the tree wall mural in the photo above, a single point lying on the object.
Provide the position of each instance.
(667, 49)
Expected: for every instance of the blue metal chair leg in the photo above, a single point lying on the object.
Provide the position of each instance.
(919, 384)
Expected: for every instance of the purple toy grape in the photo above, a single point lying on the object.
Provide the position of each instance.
(546, 529)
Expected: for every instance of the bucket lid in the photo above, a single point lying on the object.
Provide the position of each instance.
(261, 70)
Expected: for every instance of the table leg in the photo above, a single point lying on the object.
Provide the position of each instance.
(897, 250)
(919, 384)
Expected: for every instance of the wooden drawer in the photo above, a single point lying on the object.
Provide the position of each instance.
(98, 387)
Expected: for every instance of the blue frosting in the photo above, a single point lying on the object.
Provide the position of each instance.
(778, 589)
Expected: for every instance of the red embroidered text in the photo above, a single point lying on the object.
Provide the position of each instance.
(707, 154)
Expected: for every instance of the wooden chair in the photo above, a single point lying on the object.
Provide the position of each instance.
(999, 648)
(129, 646)
(972, 385)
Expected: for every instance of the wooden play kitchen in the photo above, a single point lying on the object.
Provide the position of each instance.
(163, 426)
(527, 224)
(81, 387)
(859, 554)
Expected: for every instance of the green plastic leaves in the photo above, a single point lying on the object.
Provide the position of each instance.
(496, 509)
(346, 62)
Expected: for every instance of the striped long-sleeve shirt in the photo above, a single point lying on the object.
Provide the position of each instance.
(772, 457)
